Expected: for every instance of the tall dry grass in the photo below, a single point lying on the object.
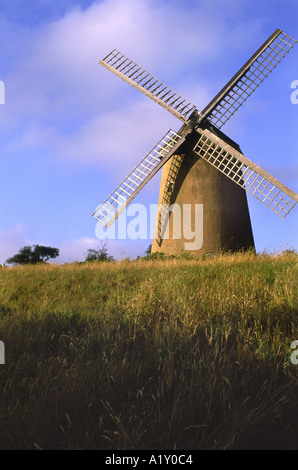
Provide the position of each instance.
(150, 354)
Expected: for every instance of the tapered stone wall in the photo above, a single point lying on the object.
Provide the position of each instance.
(212, 208)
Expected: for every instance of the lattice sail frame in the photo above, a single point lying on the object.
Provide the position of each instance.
(112, 207)
(245, 173)
(247, 80)
(137, 77)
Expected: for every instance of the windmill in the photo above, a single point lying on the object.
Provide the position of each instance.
(202, 167)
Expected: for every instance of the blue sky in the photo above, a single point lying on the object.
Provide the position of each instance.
(71, 131)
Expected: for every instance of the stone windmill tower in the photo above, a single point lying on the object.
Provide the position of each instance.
(205, 175)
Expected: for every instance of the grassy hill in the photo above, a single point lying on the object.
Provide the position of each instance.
(150, 354)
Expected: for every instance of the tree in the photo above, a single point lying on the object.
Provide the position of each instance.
(148, 250)
(33, 255)
(98, 255)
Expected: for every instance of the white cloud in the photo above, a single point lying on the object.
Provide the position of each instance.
(117, 139)
(57, 80)
(76, 249)
(33, 136)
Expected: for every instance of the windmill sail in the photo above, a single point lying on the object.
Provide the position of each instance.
(137, 77)
(245, 173)
(112, 207)
(249, 77)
